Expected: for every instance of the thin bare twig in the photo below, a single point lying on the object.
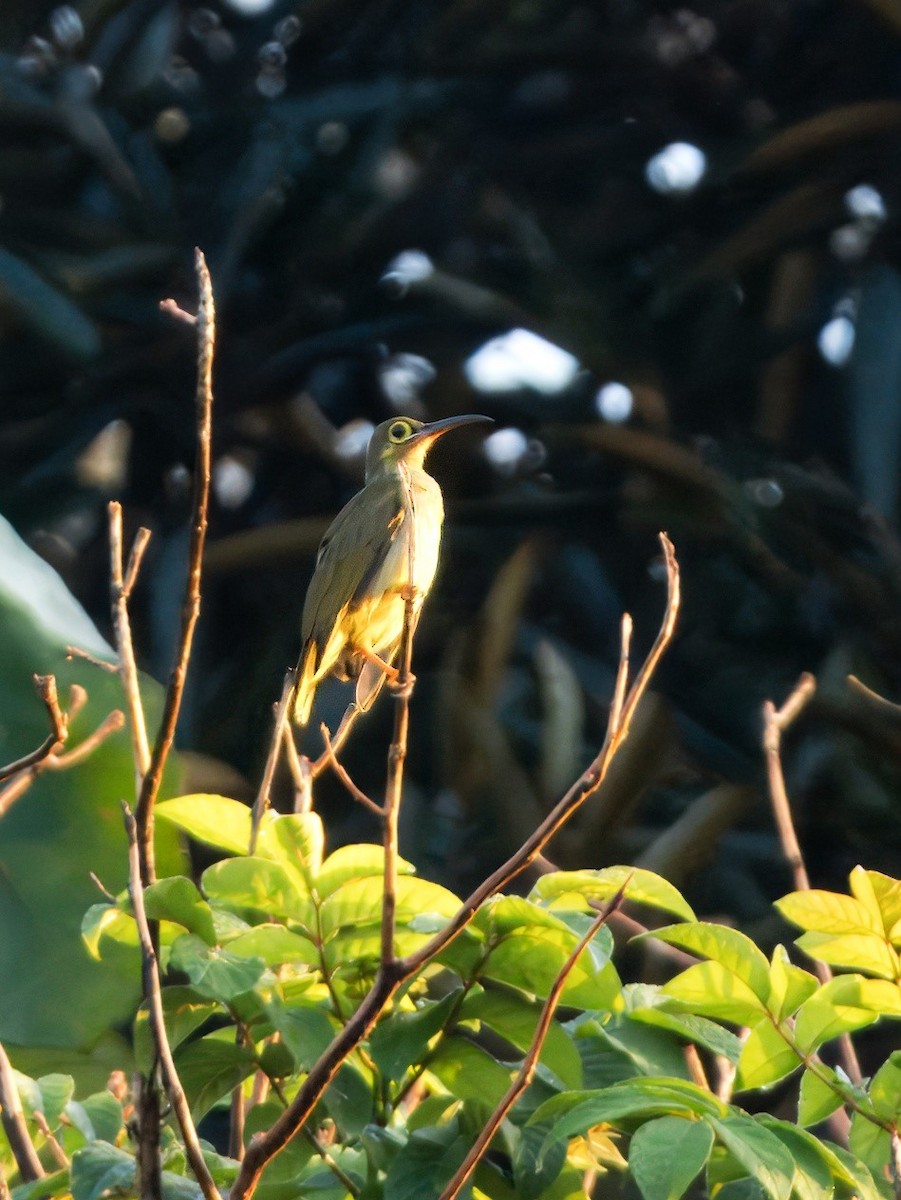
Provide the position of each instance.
(261, 803)
(173, 309)
(338, 739)
(530, 1062)
(59, 729)
(59, 1155)
(775, 722)
(392, 974)
(150, 785)
(76, 652)
(358, 794)
(14, 1126)
(153, 996)
(127, 667)
(111, 723)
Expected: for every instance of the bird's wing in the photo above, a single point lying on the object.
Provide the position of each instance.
(350, 556)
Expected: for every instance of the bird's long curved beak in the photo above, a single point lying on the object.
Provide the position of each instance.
(435, 429)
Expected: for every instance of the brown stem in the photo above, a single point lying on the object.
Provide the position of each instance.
(59, 729)
(150, 785)
(153, 996)
(530, 1062)
(127, 667)
(261, 803)
(775, 722)
(341, 771)
(391, 975)
(14, 1126)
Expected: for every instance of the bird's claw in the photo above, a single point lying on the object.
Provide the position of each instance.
(402, 687)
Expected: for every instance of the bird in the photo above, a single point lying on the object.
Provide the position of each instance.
(353, 615)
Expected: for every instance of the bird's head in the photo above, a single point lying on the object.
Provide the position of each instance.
(405, 440)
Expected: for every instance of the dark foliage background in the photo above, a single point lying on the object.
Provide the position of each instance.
(512, 142)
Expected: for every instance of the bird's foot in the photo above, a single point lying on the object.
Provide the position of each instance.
(401, 687)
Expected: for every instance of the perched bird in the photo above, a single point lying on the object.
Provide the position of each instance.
(353, 615)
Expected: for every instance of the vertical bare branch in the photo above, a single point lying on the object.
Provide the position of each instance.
(775, 722)
(150, 785)
(527, 1070)
(154, 999)
(14, 1124)
(127, 667)
(261, 803)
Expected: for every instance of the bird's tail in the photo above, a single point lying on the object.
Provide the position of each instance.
(306, 684)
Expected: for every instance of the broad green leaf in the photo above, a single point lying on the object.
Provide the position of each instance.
(354, 862)
(766, 1058)
(759, 1151)
(575, 1112)
(515, 1020)
(652, 1051)
(837, 1007)
(177, 899)
(562, 888)
(104, 1112)
(256, 885)
(871, 1143)
(857, 951)
(358, 902)
(209, 1069)
(887, 894)
(399, 1041)
(100, 1168)
(862, 1181)
(215, 972)
(107, 920)
(726, 946)
(503, 915)
(54, 1184)
(817, 1100)
(214, 820)
(274, 944)
(421, 1169)
(469, 1072)
(184, 1011)
(828, 912)
(349, 1100)
(666, 1154)
(306, 1029)
(56, 1092)
(687, 1026)
(712, 990)
(536, 1162)
(790, 986)
(68, 825)
(295, 840)
(885, 1088)
(813, 1173)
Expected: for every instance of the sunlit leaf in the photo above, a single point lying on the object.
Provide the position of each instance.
(399, 1041)
(469, 1072)
(177, 899)
(295, 840)
(515, 1020)
(215, 972)
(643, 887)
(766, 1058)
(790, 986)
(358, 861)
(817, 1100)
(759, 1151)
(731, 949)
(712, 990)
(214, 820)
(257, 885)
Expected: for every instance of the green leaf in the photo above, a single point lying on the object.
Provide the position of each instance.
(354, 862)
(646, 1005)
(210, 1068)
(564, 888)
(104, 1112)
(55, 1184)
(56, 1092)
(837, 1007)
(759, 1151)
(870, 1141)
(812, 1178)
(177, 899)
(712, 990)
(766, 1058)
(817, 1100)
(666, 1154)
(358, 902)
(885, 1088)
(515, 1019)
(68, 825)
(100, 1168)
(400, 1040)
(652, 1051)
(536, 1162)
(295, 840)
(349, 1100)
(306, 1029)
(214, 972)
(421, 1169)
(731, 949)
(575, 1112)
(863, 1184)
(829, 912)
(214, 820)
(790, 986)
(469, 1072)
(184, 1011)
(257, 885)
(274, 944)
(857, 951)
(885, 892)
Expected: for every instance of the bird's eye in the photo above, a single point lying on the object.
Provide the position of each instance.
(400, 431)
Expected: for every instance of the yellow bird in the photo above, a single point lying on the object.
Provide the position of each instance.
(353, 615)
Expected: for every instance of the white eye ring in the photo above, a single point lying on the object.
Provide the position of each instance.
(399, 431)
